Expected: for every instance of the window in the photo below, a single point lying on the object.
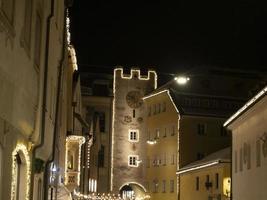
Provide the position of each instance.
(164, 160)
(207, 182)
(171, 185)
(147, 186)
(248, 156)
(258, 153)
(155, 109)
(133, 135)
(102, 122)
(164, 186)
(235, 161)
(173, 159)
(200, 156)
(165, 132)
(148, 162)
(8, 6)
(133, 113)
(149, 111)
(164, 107)
(27, 24)
(148, 135)
(101, 156)
(155, 186)
(240, 160)
(217, 180)
(132, 161)
(201, 129)
(173, 131)
(159, 108)
(38, 39)
(197, 183)
(157, 134)
(223, 131)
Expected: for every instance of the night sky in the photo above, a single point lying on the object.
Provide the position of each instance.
(169, 35)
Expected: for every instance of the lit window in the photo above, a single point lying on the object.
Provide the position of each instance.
(157, 134)
(155, 186)
(133, 161)
(133, 135)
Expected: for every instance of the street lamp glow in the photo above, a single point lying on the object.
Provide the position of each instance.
(181, 80)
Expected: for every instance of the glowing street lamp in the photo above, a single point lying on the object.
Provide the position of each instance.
(181, 80)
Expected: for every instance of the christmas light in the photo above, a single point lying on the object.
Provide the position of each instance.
(76, 139)
(123, 76)
(20, 149)
(248, 104)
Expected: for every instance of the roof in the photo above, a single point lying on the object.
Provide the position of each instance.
(212, 94)
(222, 156)
(247, 105)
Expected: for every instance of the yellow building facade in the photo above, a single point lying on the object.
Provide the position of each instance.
(208, 178)
(162, 139)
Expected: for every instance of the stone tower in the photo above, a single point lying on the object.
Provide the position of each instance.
(128, 149)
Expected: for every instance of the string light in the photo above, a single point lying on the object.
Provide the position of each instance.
(20, 148)
(76, 139)
(196, 167)
(123, 76)
(248, 104)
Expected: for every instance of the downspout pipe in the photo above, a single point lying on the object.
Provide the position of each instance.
(44, 100)
(59, 84)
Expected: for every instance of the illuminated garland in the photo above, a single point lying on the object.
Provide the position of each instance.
(81, 141)
(105, 196)
(248, 104)
(20, 148)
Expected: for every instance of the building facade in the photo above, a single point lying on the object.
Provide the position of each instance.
(185, 124)
(128, 142)
(208, 178)
(32, 42)
(249, 163)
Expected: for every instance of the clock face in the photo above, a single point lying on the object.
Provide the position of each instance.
(134, 99)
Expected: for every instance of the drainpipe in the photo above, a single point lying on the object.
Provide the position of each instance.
(44, 101)
(60, 67)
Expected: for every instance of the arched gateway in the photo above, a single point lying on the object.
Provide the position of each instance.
(133, 191)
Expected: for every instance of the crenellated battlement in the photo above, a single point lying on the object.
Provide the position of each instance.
(135, 73)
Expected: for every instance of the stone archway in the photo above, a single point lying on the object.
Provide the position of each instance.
(133, 190)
